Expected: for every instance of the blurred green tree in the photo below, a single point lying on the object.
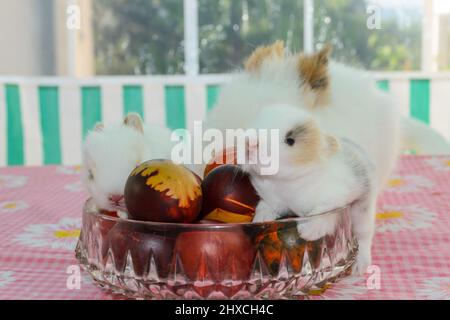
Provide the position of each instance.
(230, 30)
(146, 36)
(396, 46)
(138, 36)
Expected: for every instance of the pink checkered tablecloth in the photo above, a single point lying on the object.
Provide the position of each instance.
(40, 217)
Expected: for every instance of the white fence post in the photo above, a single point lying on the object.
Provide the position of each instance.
(308, 26)
(191, 50)
(71, 43)
(429, 37)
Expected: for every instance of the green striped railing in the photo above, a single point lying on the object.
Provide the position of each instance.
(14, 132)
(175, 107)
(423, 96)
(49, 110)
(43, 120)
(419, 94)
(418, 104)
(91, 107)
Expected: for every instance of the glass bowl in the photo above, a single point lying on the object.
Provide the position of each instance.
(268, 260)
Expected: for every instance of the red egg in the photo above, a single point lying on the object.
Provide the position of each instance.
(162, 191)
(227, 156)
(142, 244)
(215, 255)
(228, 195)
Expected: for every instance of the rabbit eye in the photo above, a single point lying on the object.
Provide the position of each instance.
(289, 141)
(90, 175)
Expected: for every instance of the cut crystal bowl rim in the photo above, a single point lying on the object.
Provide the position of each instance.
(90, 208)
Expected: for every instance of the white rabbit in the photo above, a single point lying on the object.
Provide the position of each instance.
(317, 173)
(345, 101)
(110, 153)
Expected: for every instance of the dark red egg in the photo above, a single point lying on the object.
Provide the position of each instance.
(142, 244)
(228, 195)
(215, 255)
(162, 191)
(227, 156)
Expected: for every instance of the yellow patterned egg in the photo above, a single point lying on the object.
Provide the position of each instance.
(163, 191)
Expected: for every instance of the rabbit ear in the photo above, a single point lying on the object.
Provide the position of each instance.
(333, 145)
(99, 127)
(314, 76)
(134, 120)
(273, 51)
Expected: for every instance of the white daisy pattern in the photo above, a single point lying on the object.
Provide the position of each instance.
(62, 235)
(6, 277)
(74, 187)
(12, 206)
(69, 170)
(409, 183)
(439, 163)
(399, 218)
(12, 181)
(437, 288)
(345, 289)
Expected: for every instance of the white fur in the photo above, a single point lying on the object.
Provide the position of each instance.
(357, 109)
(113, 152)
(329, 182)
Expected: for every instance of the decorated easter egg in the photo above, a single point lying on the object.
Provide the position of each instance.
(138, 246)
(162, 191)
(228, 195)
(226, 156)
(215, 255)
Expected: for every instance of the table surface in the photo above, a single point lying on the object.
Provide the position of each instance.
(40, 212)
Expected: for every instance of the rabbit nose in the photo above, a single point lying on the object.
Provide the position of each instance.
(115, 197)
